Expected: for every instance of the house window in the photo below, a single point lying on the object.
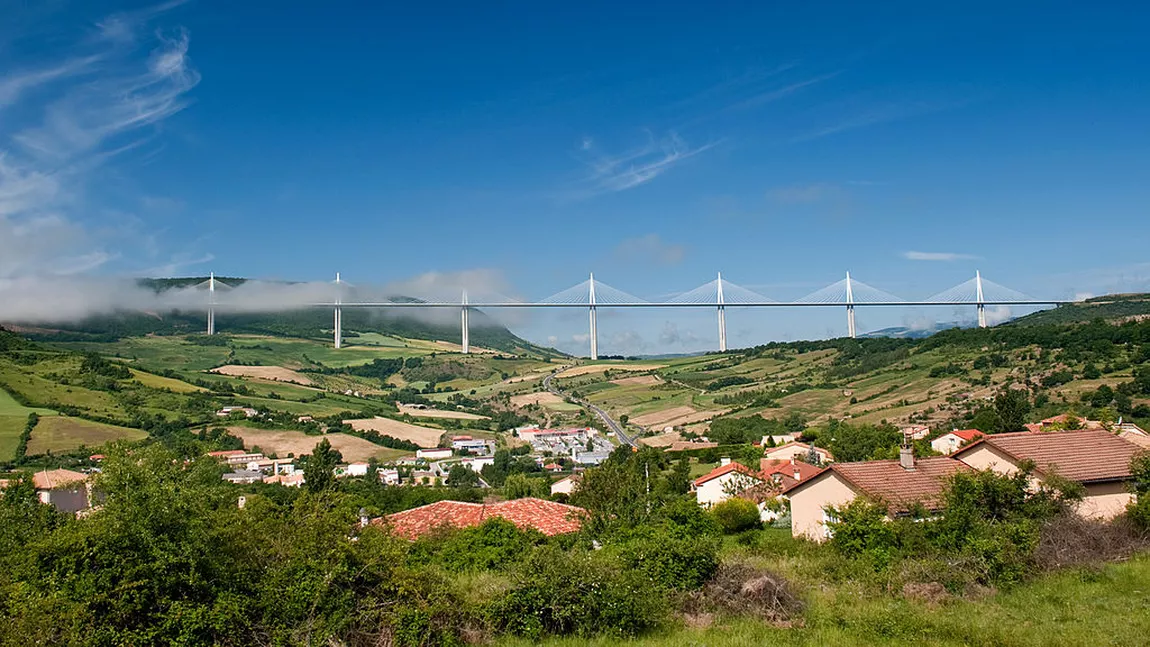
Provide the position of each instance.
(828, 519)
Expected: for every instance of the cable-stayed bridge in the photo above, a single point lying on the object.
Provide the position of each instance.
(718, 293)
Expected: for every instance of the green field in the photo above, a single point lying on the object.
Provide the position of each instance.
(62, 433)
(1107, 606)
(13, 418)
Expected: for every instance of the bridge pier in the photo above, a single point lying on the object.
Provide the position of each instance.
(722, 315)
(337, 324)
(212, 304)
(465, 332)
(979, 298)
(593, 321)
(850, 309)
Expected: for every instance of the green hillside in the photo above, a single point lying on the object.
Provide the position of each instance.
(310, 323)
(1109, 307)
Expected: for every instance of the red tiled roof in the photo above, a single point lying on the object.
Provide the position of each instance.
(1086, 455)
(50, 479)
(227, 452)
(967, 435)
(769, 466)
(547, 517)
(887, 481)
(725, 469)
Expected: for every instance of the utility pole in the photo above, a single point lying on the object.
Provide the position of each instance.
(338, 341)
(594, 321)
(850, 308)
(465, 336)
(979, 299)
(722, 316)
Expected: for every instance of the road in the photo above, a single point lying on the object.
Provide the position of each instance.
(607, 420)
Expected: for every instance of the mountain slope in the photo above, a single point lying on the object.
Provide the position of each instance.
(1110, 307)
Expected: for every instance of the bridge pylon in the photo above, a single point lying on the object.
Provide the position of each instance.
(465, 332)
(593, 319)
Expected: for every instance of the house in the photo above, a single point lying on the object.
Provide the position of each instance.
(471, 445)
(795, 449)
(244, 476)
(723, 482)
(916, 432)
(553, 467)
(1096, 458)
(424, 477)
(388, 476)
(786, 473)
(68, 491)
(547, 517)
(949, 442)
(901, 484)
(477, 463)
(1133, 433)
(236, 456)
(566, 485)
(1062, 422)
(247, 411)
(293, 479)
(436, 454)
(773, 441)
(357, 469)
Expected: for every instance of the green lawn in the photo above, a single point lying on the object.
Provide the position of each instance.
(13, 418)
(1108, 606)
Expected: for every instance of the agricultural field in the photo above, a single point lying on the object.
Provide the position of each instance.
(13, 418)
(422, 436)
(296, 443)
(64, 433)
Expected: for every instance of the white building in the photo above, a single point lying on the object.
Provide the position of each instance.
(723, 482)
(435, 454)
(951, 441)
(477, 463)
(566, 485)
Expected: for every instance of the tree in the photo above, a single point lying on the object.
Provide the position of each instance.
(461, 476)
(319, 467)
(1012, 406)
(736, 515)
(518, 486)
(1139, 509)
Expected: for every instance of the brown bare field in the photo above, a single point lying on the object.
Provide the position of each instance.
(540, 397)
(662, 440)
(422, 436)
(274, 373)
(439, 413)
(457, 348)
(640, 380)
(525, 378)
(599, 368)
(674, 416)
(282, 443)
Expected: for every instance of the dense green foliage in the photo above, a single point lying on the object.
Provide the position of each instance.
(736, 515)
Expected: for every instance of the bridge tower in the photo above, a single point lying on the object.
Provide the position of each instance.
(850, 308)
(722, 315)
(465, 336)
(212, 304)
(979, 299)
(594, 321)
(338, 323)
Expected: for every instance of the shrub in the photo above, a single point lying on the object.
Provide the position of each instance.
(672, 560)
(1139, 510)
(741, 589)
(736, 515)
(577, 592)
(493, 545)
(861, 531)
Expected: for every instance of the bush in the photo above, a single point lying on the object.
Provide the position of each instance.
(736, 515)
(577, 592)
(1139, 510)
(674, 561)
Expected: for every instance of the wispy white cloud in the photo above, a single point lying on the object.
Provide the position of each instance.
(879, 113)
(776, 94)
(937, 256)
(101, 98)
(638, 166)
(651, 247)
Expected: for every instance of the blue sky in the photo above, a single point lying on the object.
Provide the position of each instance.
(910, 143)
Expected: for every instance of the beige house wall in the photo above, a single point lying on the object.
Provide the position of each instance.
(1105, 500)
(808, 504)
(787, 453)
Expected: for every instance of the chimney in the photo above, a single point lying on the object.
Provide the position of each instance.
(724, 461)
(798, 474)
(792, 459)
(906, 454)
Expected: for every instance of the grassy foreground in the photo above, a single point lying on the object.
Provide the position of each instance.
(1107, 606)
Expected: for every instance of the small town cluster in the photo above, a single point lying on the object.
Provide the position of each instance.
(795, 482)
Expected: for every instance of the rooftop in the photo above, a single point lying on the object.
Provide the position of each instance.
(1087, 455)
(547, 517)
(51, 479)
(726, 469)
(889, 482)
